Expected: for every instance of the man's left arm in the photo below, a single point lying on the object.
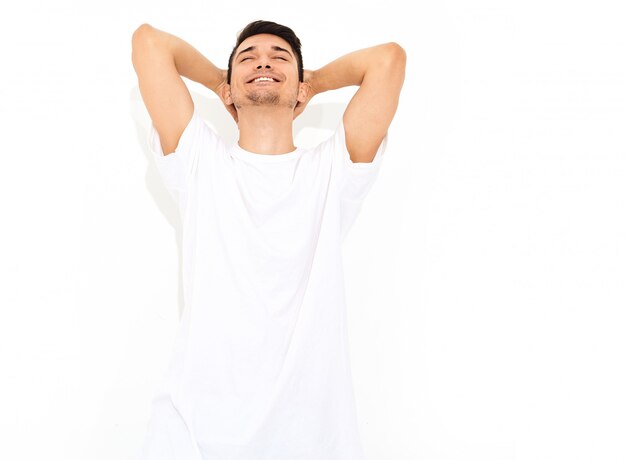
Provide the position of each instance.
(379, 73)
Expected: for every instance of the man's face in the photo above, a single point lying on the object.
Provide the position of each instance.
(264, 72)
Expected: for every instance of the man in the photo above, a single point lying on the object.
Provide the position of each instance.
(260, 367)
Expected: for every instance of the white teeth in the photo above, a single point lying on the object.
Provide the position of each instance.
(263, 79)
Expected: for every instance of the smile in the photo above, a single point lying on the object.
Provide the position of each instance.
(261, 79)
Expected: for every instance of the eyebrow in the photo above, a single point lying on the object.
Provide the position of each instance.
(253, 47)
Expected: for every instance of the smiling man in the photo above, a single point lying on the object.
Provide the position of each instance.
(264, 87)
(260, 368)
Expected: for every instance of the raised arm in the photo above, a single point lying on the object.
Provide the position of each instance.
(379, 73)
(160, 59)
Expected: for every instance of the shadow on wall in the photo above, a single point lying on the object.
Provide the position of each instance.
(315, 124)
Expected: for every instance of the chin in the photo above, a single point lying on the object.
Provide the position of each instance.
(264, 98)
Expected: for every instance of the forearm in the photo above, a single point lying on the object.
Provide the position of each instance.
(352, 68)
(189, 62)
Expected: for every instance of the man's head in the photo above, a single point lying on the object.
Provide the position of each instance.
(271, 52)
(272, 28)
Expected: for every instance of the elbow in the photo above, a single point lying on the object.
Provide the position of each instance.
(141, 34)
(396, 53)
(143, 38)
(394, 59)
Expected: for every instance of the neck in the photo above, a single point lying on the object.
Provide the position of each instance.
(266, 130)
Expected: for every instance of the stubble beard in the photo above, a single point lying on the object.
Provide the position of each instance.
(263, 98)
(269, 98)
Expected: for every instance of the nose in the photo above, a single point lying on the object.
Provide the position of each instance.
(267, 66)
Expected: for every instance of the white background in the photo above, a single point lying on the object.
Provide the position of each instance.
(485, 274)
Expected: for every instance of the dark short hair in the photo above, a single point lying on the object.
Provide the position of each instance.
(269, 27)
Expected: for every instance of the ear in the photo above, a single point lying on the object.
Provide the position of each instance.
(303, 91)
(225, 94)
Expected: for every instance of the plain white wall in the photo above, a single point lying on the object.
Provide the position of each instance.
(485, 274)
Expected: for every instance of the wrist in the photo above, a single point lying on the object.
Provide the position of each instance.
(216, 81)
(313, 80)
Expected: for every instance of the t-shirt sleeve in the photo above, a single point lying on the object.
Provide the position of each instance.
(355, 179)
(179, 169)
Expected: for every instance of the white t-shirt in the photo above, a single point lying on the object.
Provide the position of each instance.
(260, 368)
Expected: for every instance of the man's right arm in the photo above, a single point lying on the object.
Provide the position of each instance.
(160, 59)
